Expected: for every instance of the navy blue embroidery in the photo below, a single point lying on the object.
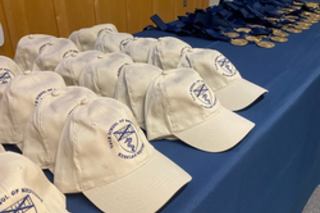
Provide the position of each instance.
(202, 94)
(21, 206)
(125, 135)
(222, 63)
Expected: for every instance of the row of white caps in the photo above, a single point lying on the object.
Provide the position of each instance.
(92, 144)
(154, 100)
(43, 52)
(167, 53)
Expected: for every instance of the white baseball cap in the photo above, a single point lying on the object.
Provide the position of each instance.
(70, 68)
(179, 103)
(23, 93)
(101, 74)
(234, 92)
(8, 70)
(138, 48)
(105, 155)
(166, 53)
(52, 54)
(42, 132)
(25, 188)
(112, 42)
(2, 149)
(28, 49)
(86, 38)
(132, 87)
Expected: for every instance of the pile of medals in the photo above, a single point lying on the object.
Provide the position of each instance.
(241, 22)
(297, 23)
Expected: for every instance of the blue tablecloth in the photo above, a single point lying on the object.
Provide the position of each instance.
(277, 166)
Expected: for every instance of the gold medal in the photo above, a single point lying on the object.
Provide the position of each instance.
(232, 34)
(307, 24)
(253, 38)
(257, 26)
(280, 34)
(301, 27)
(291, 17)
(313, 21)
(288, 9)
(297, 7)
(307, 21)
(271, 19)
(278, 39)
(292, 30)
(243, 29)
(275, 30)
(281, 11)
(312, 5)
(239, 42)
(297, 3)
(262, 36)
(265, 44)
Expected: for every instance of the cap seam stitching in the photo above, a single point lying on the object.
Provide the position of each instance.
(169, 107)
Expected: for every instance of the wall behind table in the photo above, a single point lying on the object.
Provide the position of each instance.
(61, 17)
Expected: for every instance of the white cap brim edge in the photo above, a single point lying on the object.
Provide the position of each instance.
(239, 94)
(144, 190)
(218, 133)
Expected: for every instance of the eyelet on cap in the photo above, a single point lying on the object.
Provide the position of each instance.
(100, 56)
(84, 101)
(55, 93)
(27, 72)
(31, 36)
(165, 72)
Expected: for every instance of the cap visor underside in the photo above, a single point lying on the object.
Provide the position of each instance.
(218, 133)
(239, 94)
(144, 190)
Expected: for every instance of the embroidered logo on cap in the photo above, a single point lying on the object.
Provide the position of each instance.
(69, 52)
(124, 43)
(39, 96)
(106, 30)
(223, 65)
(25, 204)
(184, 49)
(6, 76)
(202, 94)
(126, 136)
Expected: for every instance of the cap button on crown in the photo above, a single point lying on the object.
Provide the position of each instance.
(31, 36)
(55, 93)
(84, 101)
(27, 72)
(190, 50)
(100, 56)
(51, 43)
(160, 39)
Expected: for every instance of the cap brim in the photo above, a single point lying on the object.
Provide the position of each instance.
(217, 134)
(239, 94)
(144, 190)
